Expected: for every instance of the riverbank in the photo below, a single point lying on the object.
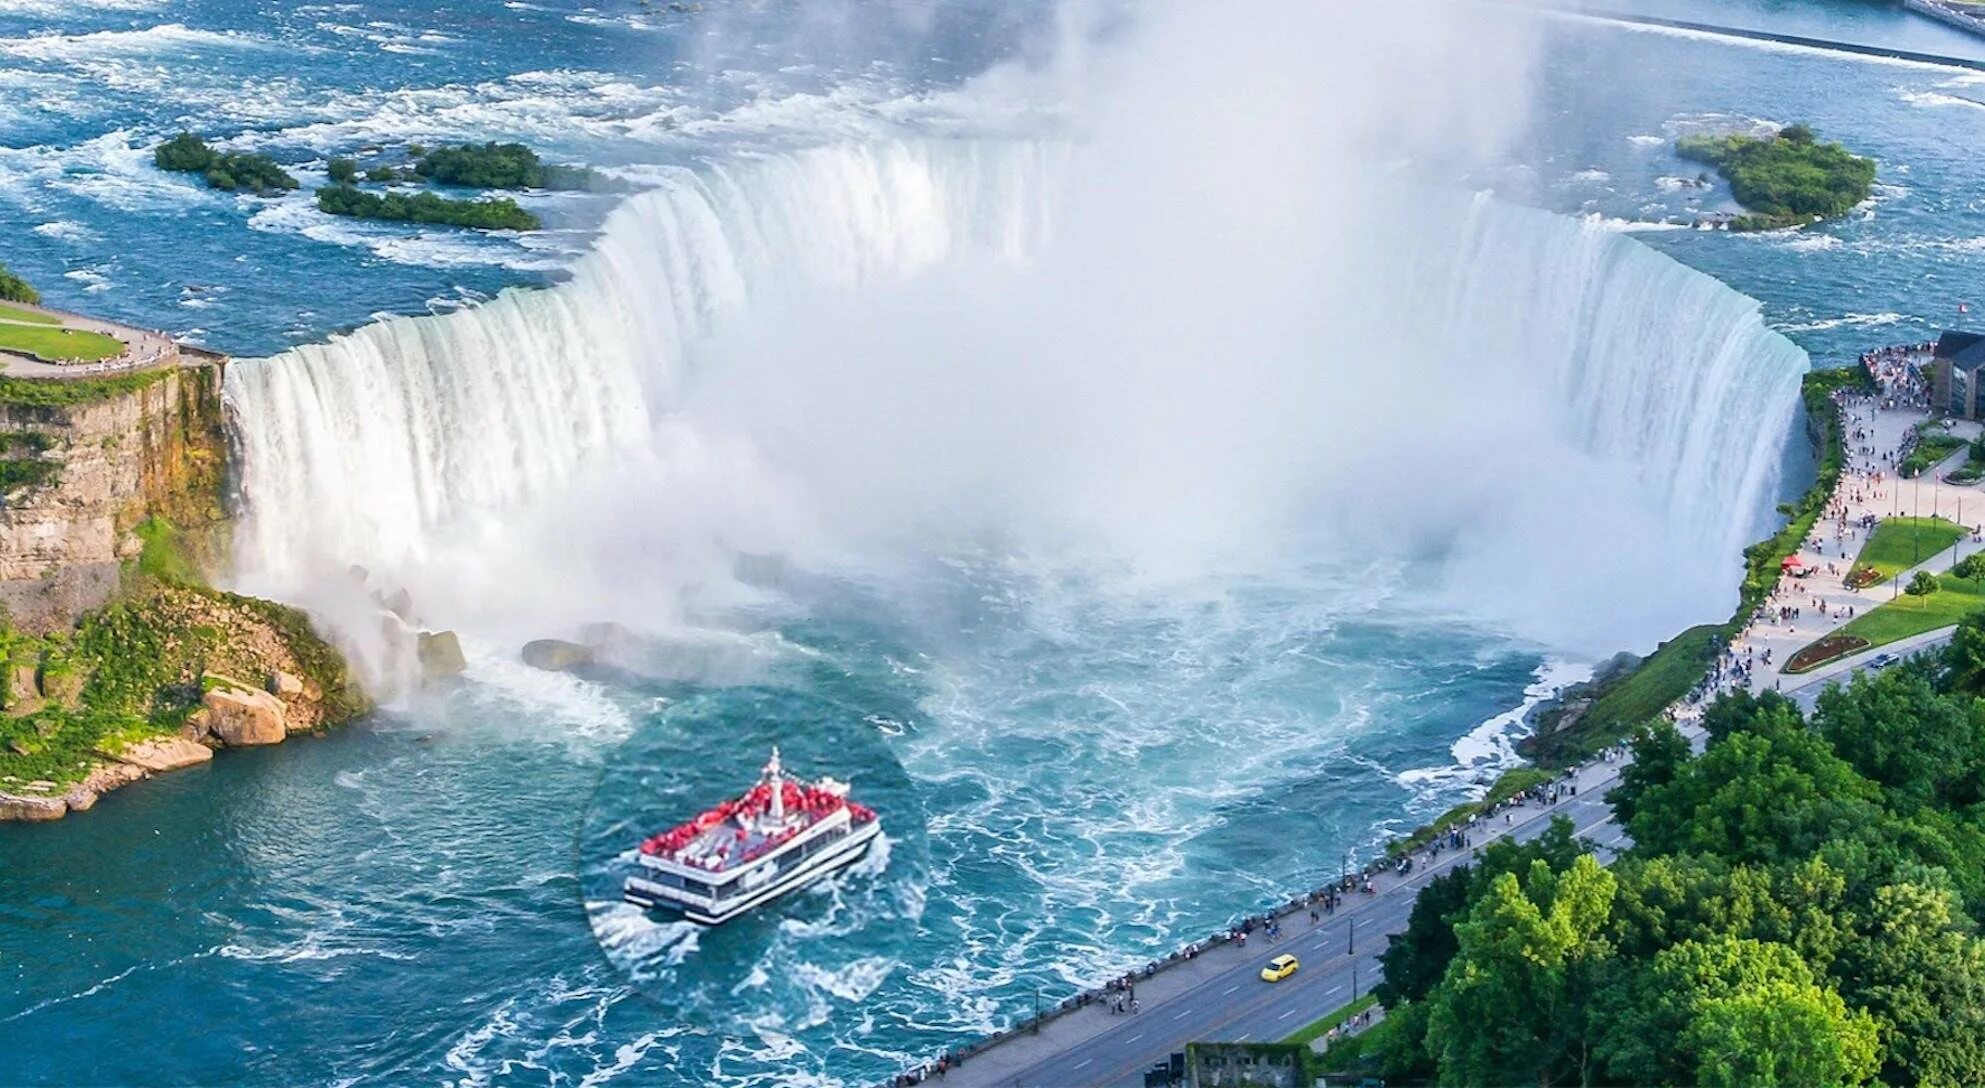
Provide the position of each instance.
(1602, 713)
(118, 659)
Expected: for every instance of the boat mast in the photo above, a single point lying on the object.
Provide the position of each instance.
(772, 778)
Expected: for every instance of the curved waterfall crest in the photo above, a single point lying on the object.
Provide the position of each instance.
(1542, 339)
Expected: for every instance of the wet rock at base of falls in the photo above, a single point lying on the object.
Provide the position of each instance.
(556, 655)
(440, 654)
(243, 717)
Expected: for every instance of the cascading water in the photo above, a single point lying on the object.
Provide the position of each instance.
(1532, 359)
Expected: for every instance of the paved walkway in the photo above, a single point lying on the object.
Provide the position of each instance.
(1868, 487)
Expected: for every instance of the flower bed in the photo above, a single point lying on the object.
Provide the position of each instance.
(1831, 648)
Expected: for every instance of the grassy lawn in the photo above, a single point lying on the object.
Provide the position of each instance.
(1932, 446)
(1315, 1030)
(32, 317)
(50, 342)
(1899, 544)
(1906, 615)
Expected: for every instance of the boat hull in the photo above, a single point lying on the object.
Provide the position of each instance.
(645, 893)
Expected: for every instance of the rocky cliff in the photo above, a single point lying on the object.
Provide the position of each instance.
(83, 464)
(118, 660)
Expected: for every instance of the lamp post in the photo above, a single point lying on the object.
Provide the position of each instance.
(1351, 937)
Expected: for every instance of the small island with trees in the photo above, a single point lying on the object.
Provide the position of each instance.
(505, 166)
(1786, 180)
(230, 171)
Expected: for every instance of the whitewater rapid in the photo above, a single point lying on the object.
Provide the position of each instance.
(1568, 381)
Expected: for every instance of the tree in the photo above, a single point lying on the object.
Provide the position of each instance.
(1895, 728)
(1515, 1005)
(343, 171)
(1415, 962)
(1782, 1033)
(1654, 1014)
(1922, 585)
(1923, 977)
(1765, 794)
(1971, 566)
(1964, 658)
(1659, 753)
(15, 289)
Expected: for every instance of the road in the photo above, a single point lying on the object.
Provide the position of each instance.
(1219, 996)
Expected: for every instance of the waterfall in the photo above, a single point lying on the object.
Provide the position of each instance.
(1549, 378)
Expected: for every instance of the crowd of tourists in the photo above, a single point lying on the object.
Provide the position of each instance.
(1898, 375)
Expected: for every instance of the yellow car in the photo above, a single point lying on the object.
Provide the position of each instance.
(1279, 968)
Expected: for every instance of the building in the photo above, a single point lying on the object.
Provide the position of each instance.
(1954, 378)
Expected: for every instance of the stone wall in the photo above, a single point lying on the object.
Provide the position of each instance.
(159, 450)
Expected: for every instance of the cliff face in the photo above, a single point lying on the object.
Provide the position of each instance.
(79, 478)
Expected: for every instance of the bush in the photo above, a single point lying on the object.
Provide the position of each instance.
(501, 166)
(343, 171)
(15, 289)
(497, 214)
(226, 170)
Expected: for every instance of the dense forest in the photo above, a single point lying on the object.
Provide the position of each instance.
(1799, 908)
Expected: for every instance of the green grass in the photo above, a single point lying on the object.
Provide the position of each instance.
(52, 342)
(1955, 599)
(1932, 446)
(32, 317)
(1316, 1029)
(68, 392)
(1512, 782)
(1898, 544)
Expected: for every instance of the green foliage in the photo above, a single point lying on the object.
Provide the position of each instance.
(496, 214)
(164, 557)
(1798, 907)
(136, 669)
(1787, 179)
(502, 166)
(69, 392)
(1922, 585)
(229, 170)
(1933, 444)
(1317, 1028)
(15, 289)
(342, 170)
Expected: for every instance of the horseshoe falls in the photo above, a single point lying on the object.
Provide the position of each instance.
(796, 355)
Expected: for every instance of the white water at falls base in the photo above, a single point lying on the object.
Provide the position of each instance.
(854, 354)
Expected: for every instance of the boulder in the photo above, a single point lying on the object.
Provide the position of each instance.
(282, 683)
(161, 754)
(242, 718)
(440, 655)
(32, 809)
(401, 604)
(556, 654)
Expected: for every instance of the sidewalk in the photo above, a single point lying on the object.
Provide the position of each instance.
(1075, 1022)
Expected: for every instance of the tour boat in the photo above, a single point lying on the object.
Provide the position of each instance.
(781, 835)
